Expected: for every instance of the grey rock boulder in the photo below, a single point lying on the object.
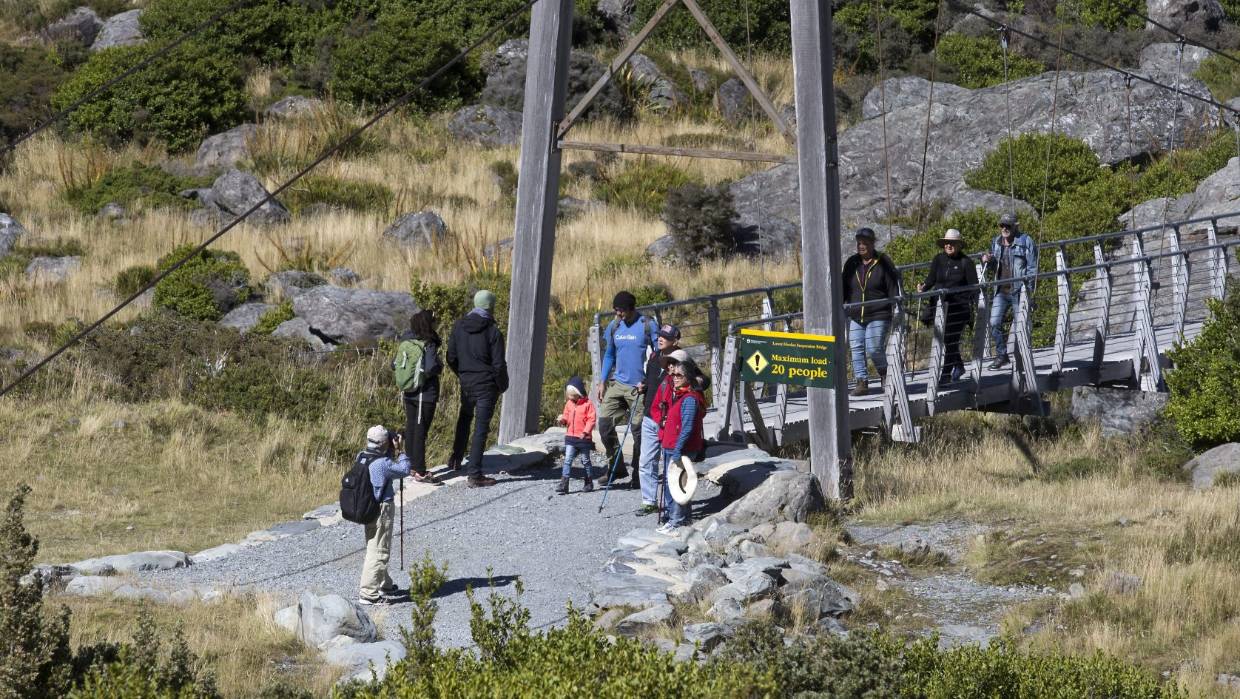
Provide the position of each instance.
(52, 270)
(1154, 211)
(113, 212)
(1216, 195)
(291, 283)
(139, 562)
(1180, 14)
(236, 192)
(702, 80)
(734, 103)
(1207, 466)
(791, 536)
(287, 618)
(343, 276)
(10, 232)
(909, 91)
(244, 317)
(618, 590)
(299, 329)
(92, 585)
(80, 26)
(320, 619)
(505, 84)
(748, 589)
(826, 599)
(787, 496)
(215, 553)
(646, 621)
(663, 249)
(659, 90)
(487, 125)
(123, 29)
(417, 229)
(618, 13)
(354, 315)
(726, 609)
(225, 150)
(1119, 411)
(294, 107)
(707, 636)
(361, 659)
(702, 581)
(1165, 58)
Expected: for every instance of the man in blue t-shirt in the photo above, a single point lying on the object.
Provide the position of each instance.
(627, 339)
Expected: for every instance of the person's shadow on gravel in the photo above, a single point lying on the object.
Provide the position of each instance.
(459, 585)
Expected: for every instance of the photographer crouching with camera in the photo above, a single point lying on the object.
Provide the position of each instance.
(366, 497)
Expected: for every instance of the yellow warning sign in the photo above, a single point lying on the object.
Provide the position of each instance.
(757, 362)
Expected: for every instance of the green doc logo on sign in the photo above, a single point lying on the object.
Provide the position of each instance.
(791, 358)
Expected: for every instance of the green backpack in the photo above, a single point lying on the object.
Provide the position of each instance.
(408, 366)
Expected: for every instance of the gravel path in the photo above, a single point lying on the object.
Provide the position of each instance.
(517, 529)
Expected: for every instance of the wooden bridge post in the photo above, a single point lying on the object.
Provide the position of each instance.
(1063, 321)
(818, 168)
(1218, 264)
(546, 82)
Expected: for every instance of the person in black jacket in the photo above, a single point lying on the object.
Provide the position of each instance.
(948, 270)
(476, 356)
(420, 405)
(869, 276)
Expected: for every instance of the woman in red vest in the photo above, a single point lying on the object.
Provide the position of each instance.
(681, 430)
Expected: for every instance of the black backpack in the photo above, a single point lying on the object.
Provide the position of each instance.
(357, 495)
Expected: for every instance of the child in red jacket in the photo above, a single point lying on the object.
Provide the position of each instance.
(579, 417)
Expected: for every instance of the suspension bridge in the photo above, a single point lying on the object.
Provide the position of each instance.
(1113, 322)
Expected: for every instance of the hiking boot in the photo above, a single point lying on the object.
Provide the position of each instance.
(480, 481)
(562, 488)
(862, 388)
(1000, 362)
(589, 485)
(621, 472)
(635, 483)
(426, 477)
(454, 464)
(377, 602)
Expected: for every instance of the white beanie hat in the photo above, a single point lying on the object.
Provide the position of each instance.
(376, 436)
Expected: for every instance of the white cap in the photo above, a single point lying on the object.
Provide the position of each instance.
(376, 436)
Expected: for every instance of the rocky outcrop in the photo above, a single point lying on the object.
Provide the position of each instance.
(734, 103)
(244, 317)
(291, 283)
(618, 13)
(10, 233)
(964, 126)
(505, 85)
(487, 125)
(123, 29)
(786, 496)
(659, 91)
(80, 26)
(418, 229)
(1204, 468)
(1165, 58)
(236, 192)
(299, 329)
(294, 107)
(354, 315)
(225, 150)
(1180, 14)
(322, 619)
(52, 270)
(1119, 411)
(132, 563)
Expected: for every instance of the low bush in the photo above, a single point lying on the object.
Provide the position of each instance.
(1179, 172)
(1220, 75)
(448, 302)
(205, 287)
(263, 31)
(129, 280)
(699, 219)
(1040, 167)
(273, 318)
(978, 62)
(1108, 14)
(19, 257)
(759, 24)
(1091, 208)
(650, 294)
(355, 195)
(643, 186)
(26, 93)
(134, 186)
(1205, 379)
(191, 92)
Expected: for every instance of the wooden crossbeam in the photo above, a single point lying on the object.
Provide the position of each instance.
(634, 149)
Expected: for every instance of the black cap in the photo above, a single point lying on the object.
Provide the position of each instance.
(865, 234)
(624, 301)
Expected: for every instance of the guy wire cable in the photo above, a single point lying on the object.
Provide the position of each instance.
(1096, 61)
(399, 102)
(125, 74)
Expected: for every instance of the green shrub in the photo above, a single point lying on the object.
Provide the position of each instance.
(977, 226)
(205, 287)
(699, 219)
(1108, 14)
(760, 24)
(643, 186)
(26, 92)
(907, 25)
(267, 31)
(1180, 171)
(19, 257)
(1072, 163)
(978, 61)
(1091, 208)
(36, 15)
(134, 185)
(179, 99)
(263, 387)
(650, 294)
(448, 302)
(273, 318)
(354, 195)
(129, 280)
(1206, 378)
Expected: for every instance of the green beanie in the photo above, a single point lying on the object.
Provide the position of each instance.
(484, 300)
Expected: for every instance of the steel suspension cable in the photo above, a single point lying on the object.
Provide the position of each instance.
(1050, 143)
(270, 197)
(882, 94)
(925, 146)
(90, 96)
(1007, 103)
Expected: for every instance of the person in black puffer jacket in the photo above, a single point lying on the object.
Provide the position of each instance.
(952, 269)
(476, 356)
(869, 276)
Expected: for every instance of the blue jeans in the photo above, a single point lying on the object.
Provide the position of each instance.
(571, 452)
(677, 514)
(868, 340)
(998, 309)
(648, 465)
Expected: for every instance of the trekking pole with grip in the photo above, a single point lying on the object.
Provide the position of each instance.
(619, 454)
(402, 524)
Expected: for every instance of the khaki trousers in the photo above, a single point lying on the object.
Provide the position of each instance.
(375, 578)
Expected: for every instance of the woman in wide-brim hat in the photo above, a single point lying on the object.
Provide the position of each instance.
(952, 269)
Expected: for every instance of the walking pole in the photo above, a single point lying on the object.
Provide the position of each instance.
(402, 524)
(619, 453)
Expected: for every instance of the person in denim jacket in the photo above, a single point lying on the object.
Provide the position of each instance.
(1012, 255)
